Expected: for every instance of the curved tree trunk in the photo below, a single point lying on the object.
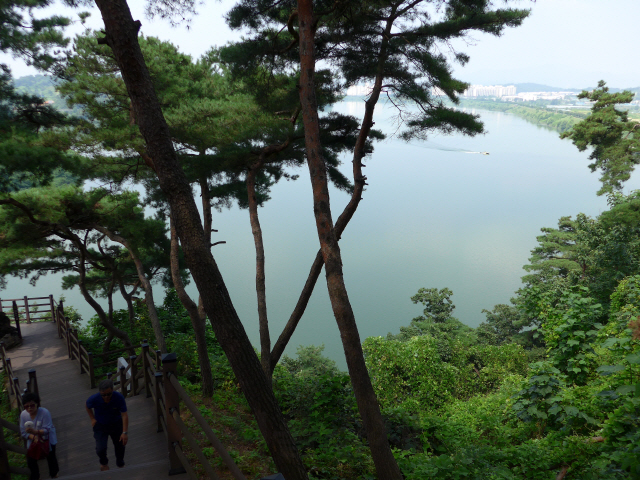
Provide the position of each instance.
(121, 36)
(386, 465)
(192, 309)
(107, 343)
(265, 340)
(105, 320)
(146, 285)
(128, 297)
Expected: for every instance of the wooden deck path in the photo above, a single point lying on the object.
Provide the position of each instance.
(64, 391)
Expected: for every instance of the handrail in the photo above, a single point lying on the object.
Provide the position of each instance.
(185, 461)
(9, 426)
(193, 443)
(111, 352)
(156, 374)
(206, 428)
(14, 389)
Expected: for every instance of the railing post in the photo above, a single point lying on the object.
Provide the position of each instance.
(145, 367)
(92, 375)
(123, 378)
(16, 392)
(158, 361)
(75, 340)
(26, 310)
(53, 310)
(3, 354)
(5, 473)
(158, 395)
(7, 368)
(16, 316)
(80, 355)
(172, 399)
(56, 318)
(1, 310)
(68, 334)
(33, 381)
(134, 373)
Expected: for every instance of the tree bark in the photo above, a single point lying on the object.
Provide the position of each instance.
(128, 297)
(265, 340)
(386, 466)
(104, 319)
(121, 35)
(359, 182)
(197, 322)
(208, 227)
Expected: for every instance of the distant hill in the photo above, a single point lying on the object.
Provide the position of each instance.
(537, 87)
(44, 87)
(37, 85)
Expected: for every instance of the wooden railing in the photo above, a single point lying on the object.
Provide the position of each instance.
(15, 399)
(22, 306)
(156, 375)
(167, 394)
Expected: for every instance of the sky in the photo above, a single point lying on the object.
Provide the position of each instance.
(563, 43)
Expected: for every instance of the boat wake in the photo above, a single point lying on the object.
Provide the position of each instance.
(443, 148)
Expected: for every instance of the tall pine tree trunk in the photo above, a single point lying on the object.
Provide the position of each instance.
(359, 182)
(386, 466)
(197, 322)
(122, 36)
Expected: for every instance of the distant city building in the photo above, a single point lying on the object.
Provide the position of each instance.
(533, 96)
(475, 91)
(359, 90)
(489, 91)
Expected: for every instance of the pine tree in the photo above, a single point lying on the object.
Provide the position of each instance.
(612, 135)
(393, 45)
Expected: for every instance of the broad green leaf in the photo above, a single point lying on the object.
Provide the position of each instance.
(633, 358)
(609, 369)
(625, 389)
(554, 410)
(571, 410)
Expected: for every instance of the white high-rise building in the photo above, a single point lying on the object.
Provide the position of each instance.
(489, 91)
(359, 90)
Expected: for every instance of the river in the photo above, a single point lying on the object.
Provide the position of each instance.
(433, 215)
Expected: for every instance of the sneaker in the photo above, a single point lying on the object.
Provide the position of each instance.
(104, 468)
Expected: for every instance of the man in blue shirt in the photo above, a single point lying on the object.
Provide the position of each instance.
(109, 418)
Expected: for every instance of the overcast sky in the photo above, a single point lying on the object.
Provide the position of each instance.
(564, 43)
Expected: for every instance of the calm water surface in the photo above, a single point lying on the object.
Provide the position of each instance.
(433, 215)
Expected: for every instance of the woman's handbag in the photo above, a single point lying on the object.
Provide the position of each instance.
(38, 450)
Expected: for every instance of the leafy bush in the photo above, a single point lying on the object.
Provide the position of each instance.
(543, 401)
(570, 330)
(318, 402)
(412, 374)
